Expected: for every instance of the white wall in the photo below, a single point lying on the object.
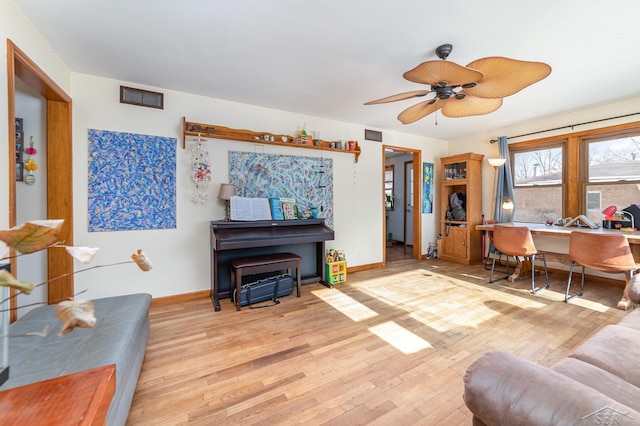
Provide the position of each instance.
(181, 255)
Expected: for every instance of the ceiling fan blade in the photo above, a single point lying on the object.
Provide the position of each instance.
(432, 72)
(399, 97)
(470, 105)
(418, 111)
(505, 77)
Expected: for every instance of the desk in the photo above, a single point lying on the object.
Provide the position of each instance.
(538, 229)
(76, 399)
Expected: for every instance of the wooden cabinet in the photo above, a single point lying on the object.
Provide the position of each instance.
(461, 174)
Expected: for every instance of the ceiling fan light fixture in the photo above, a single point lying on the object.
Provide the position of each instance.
(476, 89)
(444, 51)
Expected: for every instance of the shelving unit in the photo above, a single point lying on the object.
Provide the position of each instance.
(191, 128)
(461, 242)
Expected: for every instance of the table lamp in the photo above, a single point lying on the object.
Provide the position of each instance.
(227, 190)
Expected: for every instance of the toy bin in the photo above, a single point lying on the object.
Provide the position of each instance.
(336, 272)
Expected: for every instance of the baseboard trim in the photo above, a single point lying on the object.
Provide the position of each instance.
(366, 267)
(179, 298)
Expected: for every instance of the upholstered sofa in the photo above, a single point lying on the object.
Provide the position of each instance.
(598, 383)
(119, 337)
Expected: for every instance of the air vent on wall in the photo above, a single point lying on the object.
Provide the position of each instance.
(130, 95)
(372, 135)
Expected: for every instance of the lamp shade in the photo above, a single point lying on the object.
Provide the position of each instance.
(610, 211)
(497, 162)
(227, 190)
(507, 204)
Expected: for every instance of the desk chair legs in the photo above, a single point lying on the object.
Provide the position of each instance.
(566, 294)
(493, 265)
(496, 253)
(534, 290)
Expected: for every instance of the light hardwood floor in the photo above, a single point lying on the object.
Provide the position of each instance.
(390, 346)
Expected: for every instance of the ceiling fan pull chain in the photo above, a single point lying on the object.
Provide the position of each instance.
(436, 117)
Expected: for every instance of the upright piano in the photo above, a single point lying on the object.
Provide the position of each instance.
(231, 240)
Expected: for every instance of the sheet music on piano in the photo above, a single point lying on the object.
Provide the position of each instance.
(249, 209)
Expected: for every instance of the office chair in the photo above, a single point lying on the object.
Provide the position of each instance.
(603, 252)
(516, 241)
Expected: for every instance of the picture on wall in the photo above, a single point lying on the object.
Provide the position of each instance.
(427, 187)
(132, 181)
(306, 181)
(19, 150)
(19, 172)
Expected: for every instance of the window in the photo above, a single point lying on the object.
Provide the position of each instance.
(577, 173)
(388, 186)
(538, 182)
(612, 172)
(408, 182)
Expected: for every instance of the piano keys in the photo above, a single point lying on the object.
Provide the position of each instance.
(231, 240)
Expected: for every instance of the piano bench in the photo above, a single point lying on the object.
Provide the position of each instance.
(261, 264)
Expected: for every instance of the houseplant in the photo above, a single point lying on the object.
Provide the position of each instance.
(39, 235)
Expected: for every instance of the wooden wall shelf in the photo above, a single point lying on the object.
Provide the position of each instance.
(190, 128)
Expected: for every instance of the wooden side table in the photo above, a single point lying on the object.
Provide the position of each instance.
(76, 399)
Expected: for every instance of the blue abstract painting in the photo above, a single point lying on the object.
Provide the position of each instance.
(132, 181)
(307, 180)
(427, 187)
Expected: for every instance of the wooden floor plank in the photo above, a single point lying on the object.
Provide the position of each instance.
(341, 356)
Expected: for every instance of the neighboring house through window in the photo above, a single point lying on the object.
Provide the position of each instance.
(579, 173)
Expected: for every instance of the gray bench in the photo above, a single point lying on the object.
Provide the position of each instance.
(119, 337)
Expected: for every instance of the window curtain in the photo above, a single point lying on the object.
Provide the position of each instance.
(504, 187)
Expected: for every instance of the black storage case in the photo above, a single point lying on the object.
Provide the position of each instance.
(616, 224)
(267, 289)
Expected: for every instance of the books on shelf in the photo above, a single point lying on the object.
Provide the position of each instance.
(276, 208)
(252, 209)
(289, 208)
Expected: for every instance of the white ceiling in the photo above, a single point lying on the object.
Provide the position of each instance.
(325, 58)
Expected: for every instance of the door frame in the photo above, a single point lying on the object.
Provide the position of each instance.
(59, 165)
(417, 202)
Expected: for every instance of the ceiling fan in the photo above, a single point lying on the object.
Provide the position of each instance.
(476, 89)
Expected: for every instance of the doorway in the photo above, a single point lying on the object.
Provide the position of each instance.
(58, 160)
(402, 225)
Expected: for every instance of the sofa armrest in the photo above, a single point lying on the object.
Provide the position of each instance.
(633, 289)
(502, 389)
